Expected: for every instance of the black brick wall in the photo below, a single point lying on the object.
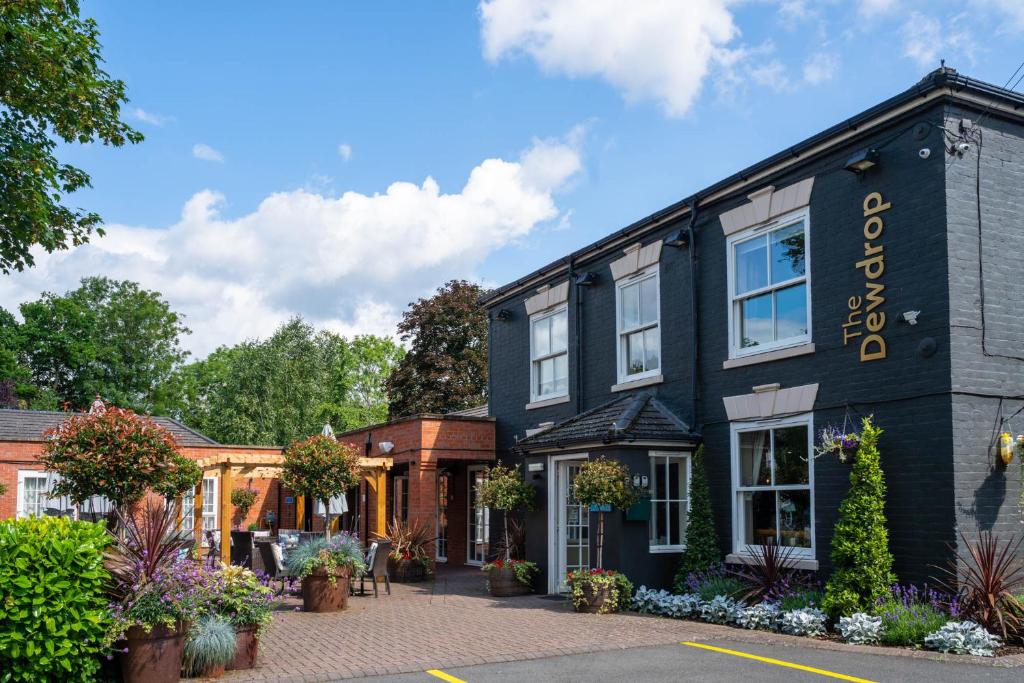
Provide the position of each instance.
(937, 477)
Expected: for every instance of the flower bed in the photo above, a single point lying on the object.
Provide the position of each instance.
(957, 637)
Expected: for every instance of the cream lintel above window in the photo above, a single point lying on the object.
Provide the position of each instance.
(766, 204)
(636, 259)
(547, 297)
(768, 400)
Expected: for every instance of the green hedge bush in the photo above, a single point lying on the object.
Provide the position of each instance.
(53, 610)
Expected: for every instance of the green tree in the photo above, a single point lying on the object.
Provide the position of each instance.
(604, 482)
(108, 338)
(52, 90)
(702, 551)
(504, 489)
(285, 387)
(321, 467)
(861, 561)
(446, 366)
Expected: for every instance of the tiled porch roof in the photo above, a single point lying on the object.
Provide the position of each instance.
(634, 417)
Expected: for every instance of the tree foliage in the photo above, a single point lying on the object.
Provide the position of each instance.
(321, 467)
(861, 561)
(503, 489)
(603, 481)
(52, 89)
(285, 387)
(701, 552)
(446, 367)
(109, 338)
(116, 454)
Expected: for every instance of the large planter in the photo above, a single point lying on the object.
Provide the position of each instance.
(502, 583)
(597, 598)
(320, 595)
(406, 571)
(153, 657)
(247, 646)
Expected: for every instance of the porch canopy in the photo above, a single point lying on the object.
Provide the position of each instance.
(633, 419)
(267, 466)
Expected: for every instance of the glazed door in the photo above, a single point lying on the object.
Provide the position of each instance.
(477, 521)
(572, 524)
(443, 482)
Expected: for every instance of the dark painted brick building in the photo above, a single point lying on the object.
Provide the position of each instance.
(865, 271)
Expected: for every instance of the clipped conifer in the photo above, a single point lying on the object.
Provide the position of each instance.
(861, 561)
(702, 551)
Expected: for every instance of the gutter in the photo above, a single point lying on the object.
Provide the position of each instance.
(936, 86)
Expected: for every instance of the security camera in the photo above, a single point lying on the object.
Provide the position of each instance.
(962, 148)
(909, 317)
(924, 152)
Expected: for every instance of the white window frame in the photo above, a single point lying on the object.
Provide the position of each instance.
(685, 458)
(211, 507)
(20, 511)
(622, 334)
(735, 319)
(535, 359)
(739, 545)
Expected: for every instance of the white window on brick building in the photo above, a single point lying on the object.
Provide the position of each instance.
(549, 354)
(638, 311)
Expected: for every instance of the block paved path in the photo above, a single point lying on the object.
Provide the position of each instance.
(451, 622)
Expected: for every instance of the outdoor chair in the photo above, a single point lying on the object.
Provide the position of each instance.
(273, 563)
(377, 566)
(243, 547)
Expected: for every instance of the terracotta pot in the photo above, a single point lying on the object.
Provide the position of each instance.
(319, 595)
(594, 599)
(406, 571)
(502, 583)
(213, 672)
(247, 646)
(153, 657)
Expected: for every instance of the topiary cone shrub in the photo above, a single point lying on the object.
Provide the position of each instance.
(861, 561)
(702, 552)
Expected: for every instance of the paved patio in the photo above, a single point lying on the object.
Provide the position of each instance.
(451, 622)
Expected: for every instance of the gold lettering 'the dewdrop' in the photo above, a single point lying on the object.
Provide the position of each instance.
(864, 323)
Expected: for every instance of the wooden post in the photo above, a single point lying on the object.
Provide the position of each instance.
(300, 511)
(226, 485)
(197, 514)
(382, 504)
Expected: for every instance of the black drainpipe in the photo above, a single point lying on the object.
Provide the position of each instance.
(694, 322)
(577, 331)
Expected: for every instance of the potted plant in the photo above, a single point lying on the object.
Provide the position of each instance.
(209, 647)
(155, 595)
(503, 489)
(409, 560)
(240, 597)
(599, 591)
(326, 566)
(243, 500)
(321, 467)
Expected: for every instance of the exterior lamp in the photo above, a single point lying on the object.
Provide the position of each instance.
(862, 161)
(586, 279)
(679, 239)
(1006, 448)
(503, 315)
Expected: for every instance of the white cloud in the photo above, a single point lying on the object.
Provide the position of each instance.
(206, 153)
(874, 8)
(1010, 9)
(345, 151)
(149, 117)
(821, 67)
(349, 263)
(772, 75)
(926, 39)
(657, 50)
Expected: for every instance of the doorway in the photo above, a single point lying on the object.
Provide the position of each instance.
(568, 523)
(478, 520)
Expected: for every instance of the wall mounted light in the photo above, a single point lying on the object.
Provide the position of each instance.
(1006, 448)
(386, 446)
(908, 317)
(504, 315)
(862, 161)
(678, 239)
(586, 279)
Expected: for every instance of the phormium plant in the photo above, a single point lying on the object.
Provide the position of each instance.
(770, 574)
(990, 584)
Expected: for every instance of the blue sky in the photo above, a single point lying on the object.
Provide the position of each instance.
(337, 160)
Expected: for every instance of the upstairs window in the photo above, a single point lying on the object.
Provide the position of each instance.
(769, 286)
(639, 335)
(549, 354)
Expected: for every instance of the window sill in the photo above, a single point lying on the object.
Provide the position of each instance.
(768, 356)
(797, 562)
(544, 403)
(665, 549)
(637, 383)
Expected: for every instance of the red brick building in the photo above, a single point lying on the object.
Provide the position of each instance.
(435, 462)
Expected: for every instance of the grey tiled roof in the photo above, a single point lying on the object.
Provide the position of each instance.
(29, 425)
(476, 411)
(634, 417)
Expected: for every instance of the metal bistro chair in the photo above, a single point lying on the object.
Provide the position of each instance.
(377, 566)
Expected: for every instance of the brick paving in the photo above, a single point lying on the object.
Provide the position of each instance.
(452, 622)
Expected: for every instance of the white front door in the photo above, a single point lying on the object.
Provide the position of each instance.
(571, 524)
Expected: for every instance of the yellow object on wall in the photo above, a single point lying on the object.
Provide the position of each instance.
(1006, 448)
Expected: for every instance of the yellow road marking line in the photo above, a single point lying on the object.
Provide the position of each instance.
(444, 677)
(778, 662)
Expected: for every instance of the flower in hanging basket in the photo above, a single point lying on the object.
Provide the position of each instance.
(833, 441)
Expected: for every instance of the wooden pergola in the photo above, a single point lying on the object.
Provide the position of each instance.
(268, 466)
